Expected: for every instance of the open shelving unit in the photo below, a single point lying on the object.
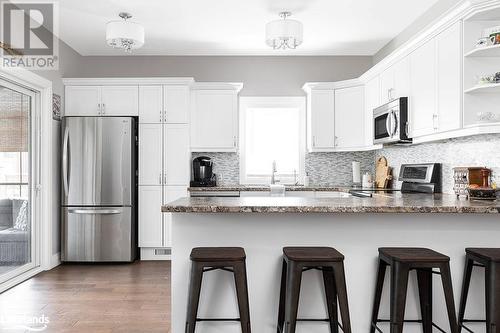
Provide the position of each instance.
(478, 62)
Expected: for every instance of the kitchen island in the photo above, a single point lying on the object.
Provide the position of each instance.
(354, 226)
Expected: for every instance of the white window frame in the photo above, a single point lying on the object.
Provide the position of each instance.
(43, 188)
(272, 102)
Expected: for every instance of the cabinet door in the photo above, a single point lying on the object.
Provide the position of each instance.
(82, 101)
(386, 85)
(120, 100)
(401, 87)
(176, 104)
(150, 154)
(349, 117)
(170, 193)
(150, 104)
(449, 90)
(150, 216)
(214, 121)
(322, 119)
(176, 154)
(423, 89)
(372, 101)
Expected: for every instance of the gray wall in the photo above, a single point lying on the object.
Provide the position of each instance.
(436, 11)
(261, 75)
(68, 59)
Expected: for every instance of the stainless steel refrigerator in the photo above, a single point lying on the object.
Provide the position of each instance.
(99, 189)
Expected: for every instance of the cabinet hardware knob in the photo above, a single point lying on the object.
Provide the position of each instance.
(159, 179)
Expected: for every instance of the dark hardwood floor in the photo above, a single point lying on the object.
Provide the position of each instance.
(96, 298)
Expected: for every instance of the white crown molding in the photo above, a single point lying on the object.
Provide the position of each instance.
(459, 12)
(217, 86)
(308, 86)
(128, 81)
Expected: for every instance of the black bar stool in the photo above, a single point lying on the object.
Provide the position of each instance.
(205, 259)
(300, 259)
(489, 259)
(402, 260)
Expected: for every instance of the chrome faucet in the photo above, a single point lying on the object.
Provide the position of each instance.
(273, 173)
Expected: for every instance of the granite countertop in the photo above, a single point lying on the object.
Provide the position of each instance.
(264, 188)
(379, 203)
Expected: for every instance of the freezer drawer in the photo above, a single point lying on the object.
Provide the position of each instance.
(98, 161)
(95, 234)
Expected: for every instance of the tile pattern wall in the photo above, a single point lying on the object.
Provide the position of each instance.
(336, 168)
(483, 150)
(226, 167)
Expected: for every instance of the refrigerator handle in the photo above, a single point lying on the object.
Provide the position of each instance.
(94, 211)
(65, 160)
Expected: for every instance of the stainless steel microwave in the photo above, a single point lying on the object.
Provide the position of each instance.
(390, 122)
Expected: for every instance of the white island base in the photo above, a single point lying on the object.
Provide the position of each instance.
(357, 236)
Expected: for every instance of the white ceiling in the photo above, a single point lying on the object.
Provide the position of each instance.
(237, 27)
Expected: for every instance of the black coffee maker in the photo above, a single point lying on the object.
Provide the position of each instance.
(203, 175)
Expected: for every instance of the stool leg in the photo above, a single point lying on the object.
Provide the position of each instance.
(331, 298)
(281, 309)
(339, 275)
(492, 275)
(399, 286)
(294, 279)
(382, 266)
(240, 279)
(424, 278)
(448, 295)
(465, 291)
(194, 296)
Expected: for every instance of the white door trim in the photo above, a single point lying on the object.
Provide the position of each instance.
(44, 241)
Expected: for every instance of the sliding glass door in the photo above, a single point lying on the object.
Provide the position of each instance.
(17, 140)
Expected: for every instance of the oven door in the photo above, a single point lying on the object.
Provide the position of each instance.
(381, 130)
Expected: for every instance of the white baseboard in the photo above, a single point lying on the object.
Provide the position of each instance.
(55, 261)
(150, 253)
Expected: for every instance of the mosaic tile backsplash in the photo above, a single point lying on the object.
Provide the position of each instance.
(483, 150)
(326, 169)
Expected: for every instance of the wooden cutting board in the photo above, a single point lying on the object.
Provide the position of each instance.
(382, 173)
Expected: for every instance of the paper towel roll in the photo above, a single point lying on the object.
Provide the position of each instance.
(356, 172)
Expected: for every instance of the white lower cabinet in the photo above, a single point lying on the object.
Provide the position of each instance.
(150, 216)
(171, 193)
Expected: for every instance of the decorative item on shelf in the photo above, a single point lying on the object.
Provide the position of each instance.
(125, 34)
(487, 117)
(285, 33)
(483, 42)
(493, 34)
(382, 173)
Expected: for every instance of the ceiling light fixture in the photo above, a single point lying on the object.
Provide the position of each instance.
(285, 33)
(124, 34)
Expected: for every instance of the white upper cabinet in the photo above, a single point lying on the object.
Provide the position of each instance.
(176, 156)
(176, 104)
(120, 100)
(423, 90)
(102, 100)
(449, 78)
(349, 117)
(321, 120)
(395, 81)
(372, 101)
(164, 104)
(150, 154)
(151, 104)
(82, 101)
(214, 121)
